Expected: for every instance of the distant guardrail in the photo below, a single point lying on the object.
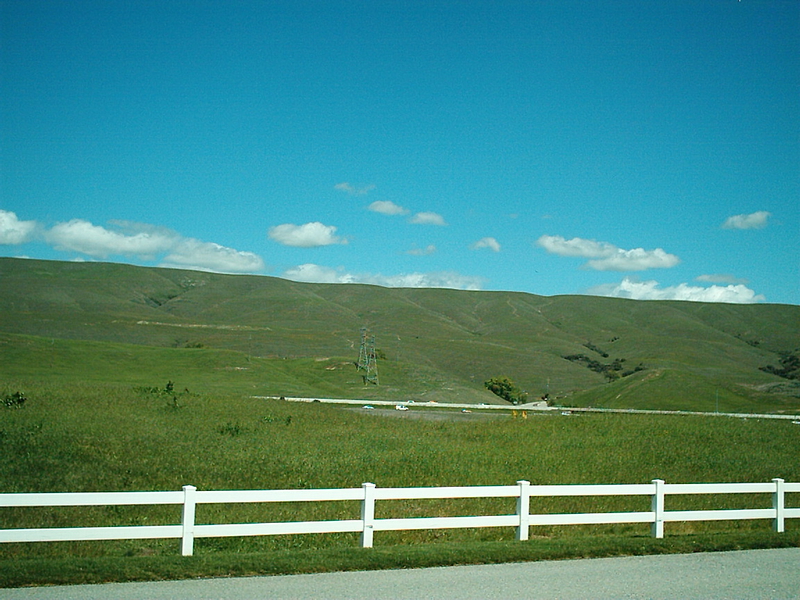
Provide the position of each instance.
(532, 407)
(369, 494)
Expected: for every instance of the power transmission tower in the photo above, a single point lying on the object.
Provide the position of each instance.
(367, 360)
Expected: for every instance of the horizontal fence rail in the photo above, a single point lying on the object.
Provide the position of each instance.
(368, 495)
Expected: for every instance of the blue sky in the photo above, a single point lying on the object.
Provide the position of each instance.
(622, 148)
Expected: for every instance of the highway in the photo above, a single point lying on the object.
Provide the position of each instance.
(532, 407)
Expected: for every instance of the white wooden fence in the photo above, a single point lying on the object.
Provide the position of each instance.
(368, 494)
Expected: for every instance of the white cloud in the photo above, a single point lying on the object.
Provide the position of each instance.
(650, 290)
(311, 273)
(309, 235)
(756, 220)
(82, 236)
(720, 278)
(555, 244)
(207, 256)
(607, 257)
(427, 251)
(353, 190)
(428, 218)
(147, 242)
(387, 207)
(440, 279)
(637, 259)
(487, 242)
(13, 231)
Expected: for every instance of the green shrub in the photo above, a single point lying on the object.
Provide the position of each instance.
(15, 400)
(506, 389)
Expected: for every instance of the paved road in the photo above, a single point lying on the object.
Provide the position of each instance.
(746, 575)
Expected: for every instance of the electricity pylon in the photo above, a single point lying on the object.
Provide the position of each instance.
(367, 360)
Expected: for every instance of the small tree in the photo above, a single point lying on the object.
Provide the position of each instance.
(506, 389)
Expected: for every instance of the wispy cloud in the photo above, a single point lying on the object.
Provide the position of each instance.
(607, 257)
(387, 207)
(311, 273)
(756, 220)
(487, 242)
(354, 190)
(651, 290)
(309, 235)
(13, 231)
(721, 278)
(428, 218)
(426, 251)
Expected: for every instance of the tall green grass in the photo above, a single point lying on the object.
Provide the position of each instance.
(81, 437)
(62, 362)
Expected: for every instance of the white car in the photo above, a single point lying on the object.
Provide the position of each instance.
(400, 407)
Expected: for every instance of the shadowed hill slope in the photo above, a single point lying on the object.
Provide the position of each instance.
(433, 343)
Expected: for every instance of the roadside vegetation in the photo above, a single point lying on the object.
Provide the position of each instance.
(81, 437)
(506, 389)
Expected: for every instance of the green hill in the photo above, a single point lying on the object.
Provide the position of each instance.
(260, 335)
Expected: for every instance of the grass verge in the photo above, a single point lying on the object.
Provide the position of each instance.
(73, 571)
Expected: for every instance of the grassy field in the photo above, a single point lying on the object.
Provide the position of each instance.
(93, 347)
(95, 437)
(73, 362)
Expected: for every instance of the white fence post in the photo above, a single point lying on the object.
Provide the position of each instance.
(523, 509)
(657, 528)
(779, 504)
(187, 520)
(368, 514)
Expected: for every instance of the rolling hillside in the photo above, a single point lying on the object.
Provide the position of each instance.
(260, 335)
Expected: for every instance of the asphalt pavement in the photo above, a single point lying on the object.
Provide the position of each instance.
(743, 575)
